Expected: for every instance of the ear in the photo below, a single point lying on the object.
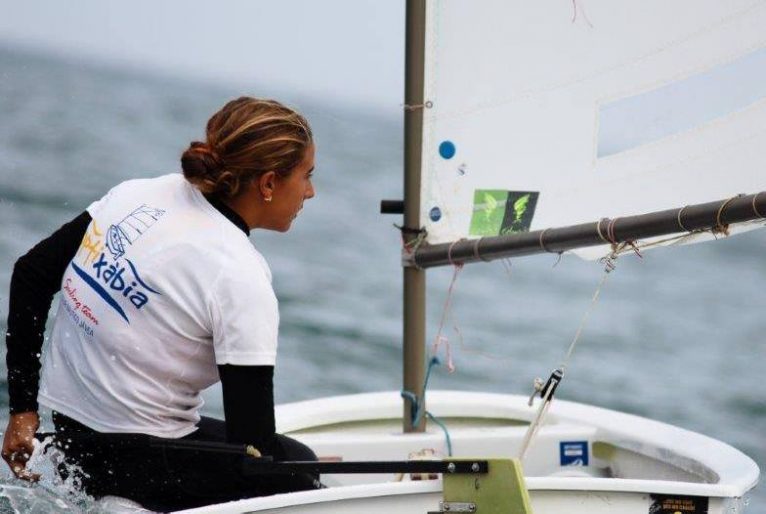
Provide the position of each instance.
(266, 184)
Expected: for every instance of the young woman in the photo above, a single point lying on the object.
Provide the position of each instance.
(162, 295)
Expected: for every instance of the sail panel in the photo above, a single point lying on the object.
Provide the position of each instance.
(646, 117)
(515, 91)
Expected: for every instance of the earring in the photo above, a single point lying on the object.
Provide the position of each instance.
(268, 199)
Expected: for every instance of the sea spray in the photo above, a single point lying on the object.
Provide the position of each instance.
(51, 493)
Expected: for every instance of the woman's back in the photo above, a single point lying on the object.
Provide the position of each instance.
(162, 295)
(160, 276)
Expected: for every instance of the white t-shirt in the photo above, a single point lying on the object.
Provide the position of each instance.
(162, 289)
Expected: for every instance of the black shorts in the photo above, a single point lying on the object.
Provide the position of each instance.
(165, 479)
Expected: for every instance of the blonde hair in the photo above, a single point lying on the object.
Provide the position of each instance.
(246, 138)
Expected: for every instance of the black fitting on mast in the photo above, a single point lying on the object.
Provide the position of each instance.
(392, 206)
(553, 382)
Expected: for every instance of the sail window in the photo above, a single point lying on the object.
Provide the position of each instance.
(682, 105)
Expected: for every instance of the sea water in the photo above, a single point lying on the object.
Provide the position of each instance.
(676, 336)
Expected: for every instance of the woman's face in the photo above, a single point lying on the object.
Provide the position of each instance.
(290, 192)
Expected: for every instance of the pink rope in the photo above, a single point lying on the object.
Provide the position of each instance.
(441, 339)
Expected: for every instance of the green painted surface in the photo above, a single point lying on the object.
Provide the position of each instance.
(488, 212)
(501, 491)
(520, 206)
(604, 451)
(498, 212)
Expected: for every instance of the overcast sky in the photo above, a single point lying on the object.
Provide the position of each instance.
(338, 51)
(347, 50)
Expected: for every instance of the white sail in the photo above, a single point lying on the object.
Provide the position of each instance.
(549, 113)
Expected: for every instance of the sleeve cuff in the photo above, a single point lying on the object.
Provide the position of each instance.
(246, 358)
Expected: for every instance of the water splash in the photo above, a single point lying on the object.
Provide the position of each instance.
(52, 493)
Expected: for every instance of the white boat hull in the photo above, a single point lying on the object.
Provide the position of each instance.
(625, 463)
(423, 498)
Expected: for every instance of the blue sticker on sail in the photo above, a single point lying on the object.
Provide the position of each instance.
(435, 214)
(447, 149)
(573, 453)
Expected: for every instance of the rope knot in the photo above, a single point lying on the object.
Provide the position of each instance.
(412, 238)
(416, 107)
(537, 386)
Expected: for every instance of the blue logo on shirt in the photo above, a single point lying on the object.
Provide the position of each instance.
(114, 278)
(123, 234)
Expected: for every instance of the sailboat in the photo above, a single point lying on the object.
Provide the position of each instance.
(548, 127)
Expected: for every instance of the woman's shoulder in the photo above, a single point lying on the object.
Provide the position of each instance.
(137, 187)
(166, 180)
(246, 262)
(246, 271)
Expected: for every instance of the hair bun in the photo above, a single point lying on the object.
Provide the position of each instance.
(202, 166)
(246, 138)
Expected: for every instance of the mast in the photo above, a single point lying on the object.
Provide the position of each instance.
(698, 217)
(414, 325)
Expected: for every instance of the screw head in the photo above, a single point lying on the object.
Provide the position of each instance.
(475, 467)
(451, 467)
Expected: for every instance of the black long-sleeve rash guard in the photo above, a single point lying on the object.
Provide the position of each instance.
(248, 391)
(36, 278)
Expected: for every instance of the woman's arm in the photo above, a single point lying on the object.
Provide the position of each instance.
(36, 278)
(248, 405)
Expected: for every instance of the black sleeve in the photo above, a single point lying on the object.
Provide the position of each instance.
(36, 278)
(248, 405)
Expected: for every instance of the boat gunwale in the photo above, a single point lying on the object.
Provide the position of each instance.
(538, 484)
(737, 473)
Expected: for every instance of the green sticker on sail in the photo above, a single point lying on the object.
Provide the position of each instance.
(498, 212)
